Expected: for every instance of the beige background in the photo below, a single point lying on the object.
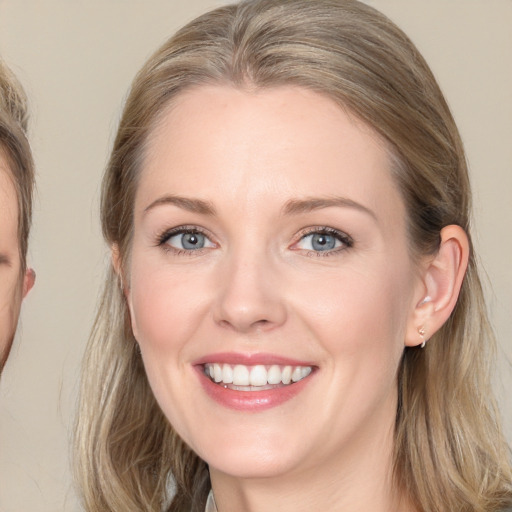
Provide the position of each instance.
(76, 60)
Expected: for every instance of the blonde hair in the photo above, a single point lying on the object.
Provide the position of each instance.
(449, 453)
(14, 147)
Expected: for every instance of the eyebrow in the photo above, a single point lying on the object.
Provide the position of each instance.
(292, 207)
(298, 206)
(4, 260)
(186, 203)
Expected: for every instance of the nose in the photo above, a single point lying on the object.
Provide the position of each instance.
(249, 297)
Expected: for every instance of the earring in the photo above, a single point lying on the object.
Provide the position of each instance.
(421, 332)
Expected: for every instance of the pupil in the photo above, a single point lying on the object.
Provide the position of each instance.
(323, 242)
(192, 241)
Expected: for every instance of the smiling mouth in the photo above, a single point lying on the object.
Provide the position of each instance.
(240, 377)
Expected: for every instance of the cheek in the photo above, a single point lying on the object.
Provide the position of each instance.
(164, 306)
(359, 320)
(360, 315)
(164, 311)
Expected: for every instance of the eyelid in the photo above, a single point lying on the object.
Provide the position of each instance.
(163, 238)
(343, 237)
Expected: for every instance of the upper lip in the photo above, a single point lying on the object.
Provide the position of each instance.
(249, 359)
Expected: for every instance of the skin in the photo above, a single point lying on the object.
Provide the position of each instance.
(14, 284)
(258, 287)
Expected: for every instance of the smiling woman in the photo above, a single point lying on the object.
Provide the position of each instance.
(16, 186)
(287, 204)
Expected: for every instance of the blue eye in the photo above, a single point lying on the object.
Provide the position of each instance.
(188, 241)
(321, 241)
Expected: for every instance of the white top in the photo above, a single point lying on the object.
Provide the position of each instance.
(212, 507)
(210, 503)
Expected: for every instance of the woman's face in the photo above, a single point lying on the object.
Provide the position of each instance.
(270, 282)
(12, 285)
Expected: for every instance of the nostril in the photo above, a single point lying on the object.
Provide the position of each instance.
(244, 303)
(261, 323)
(258, 324)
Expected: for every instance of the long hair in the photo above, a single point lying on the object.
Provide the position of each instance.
(15, 148)
(449, 451)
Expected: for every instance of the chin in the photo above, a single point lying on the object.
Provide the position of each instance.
(250, 467)
(252, 458)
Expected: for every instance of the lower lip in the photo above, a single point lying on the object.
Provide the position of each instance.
(253, 401)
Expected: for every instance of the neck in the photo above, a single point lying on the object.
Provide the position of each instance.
(359, 479)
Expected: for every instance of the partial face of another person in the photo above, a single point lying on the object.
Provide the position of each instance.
(13, 284)
(270, 281)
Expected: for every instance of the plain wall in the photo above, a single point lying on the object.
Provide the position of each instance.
(76, 60)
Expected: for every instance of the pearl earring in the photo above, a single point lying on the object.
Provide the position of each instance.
(421, 332)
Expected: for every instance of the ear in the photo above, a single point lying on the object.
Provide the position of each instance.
(441, 280)
(28, 281)
(115, 256)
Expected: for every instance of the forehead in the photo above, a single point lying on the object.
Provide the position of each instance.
(225, 143)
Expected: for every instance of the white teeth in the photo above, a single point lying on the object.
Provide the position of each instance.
(217, 373)
(227, 374)
(297, 374)
(258, 376)
(305, 371)
(255, 376)
(274, 375)
(286, 377)
(240, 375)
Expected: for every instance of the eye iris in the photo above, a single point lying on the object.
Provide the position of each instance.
(192, 240)
(323, 242)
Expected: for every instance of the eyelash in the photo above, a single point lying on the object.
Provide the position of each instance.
(346, 241)
(180, 230)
